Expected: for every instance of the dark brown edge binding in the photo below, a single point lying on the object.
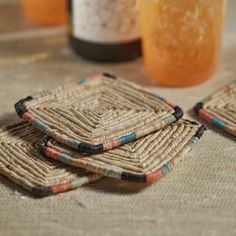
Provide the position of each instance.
(42, 191)
(109, 75)
(178, 114)
(198, 107)
(20, 106)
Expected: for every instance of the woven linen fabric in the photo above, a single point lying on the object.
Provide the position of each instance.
(145, 160)
(21, 162)
(97, 113)
(219, 109)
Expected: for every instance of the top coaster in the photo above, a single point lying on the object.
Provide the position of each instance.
(219, 109)
(21, 162)
(98, 113)
(145, 160)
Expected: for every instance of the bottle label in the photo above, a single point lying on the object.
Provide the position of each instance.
(105, 21)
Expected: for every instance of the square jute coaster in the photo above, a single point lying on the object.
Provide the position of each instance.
(144, 160)
(21, 162)
(219, 109)
(98, 113)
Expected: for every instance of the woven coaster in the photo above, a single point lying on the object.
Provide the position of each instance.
(145, 160)
(98, 113)
(21, 162)
(219, 109)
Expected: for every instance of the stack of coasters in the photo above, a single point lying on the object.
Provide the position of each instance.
(98, 113)
(144, 160)
(100, 126)
(219, 109)
(21, 162)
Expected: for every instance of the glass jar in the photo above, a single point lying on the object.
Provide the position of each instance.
(45, 12)
(181, 39)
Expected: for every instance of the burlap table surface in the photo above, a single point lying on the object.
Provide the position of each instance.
(197, 198)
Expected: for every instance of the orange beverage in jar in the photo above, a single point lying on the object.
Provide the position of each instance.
(45, 12)
(181, 39)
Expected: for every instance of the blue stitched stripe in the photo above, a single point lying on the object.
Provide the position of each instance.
(73, 143)
(128, 138)
(65, 158)
(192, 141)
(219, 123)
(166, 168)
(40, 125)
(170, 119)
(158, 96)
(81, 81)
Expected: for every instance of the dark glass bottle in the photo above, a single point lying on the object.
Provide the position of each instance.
(104, 30)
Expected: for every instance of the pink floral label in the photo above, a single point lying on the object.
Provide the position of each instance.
(105, 21)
